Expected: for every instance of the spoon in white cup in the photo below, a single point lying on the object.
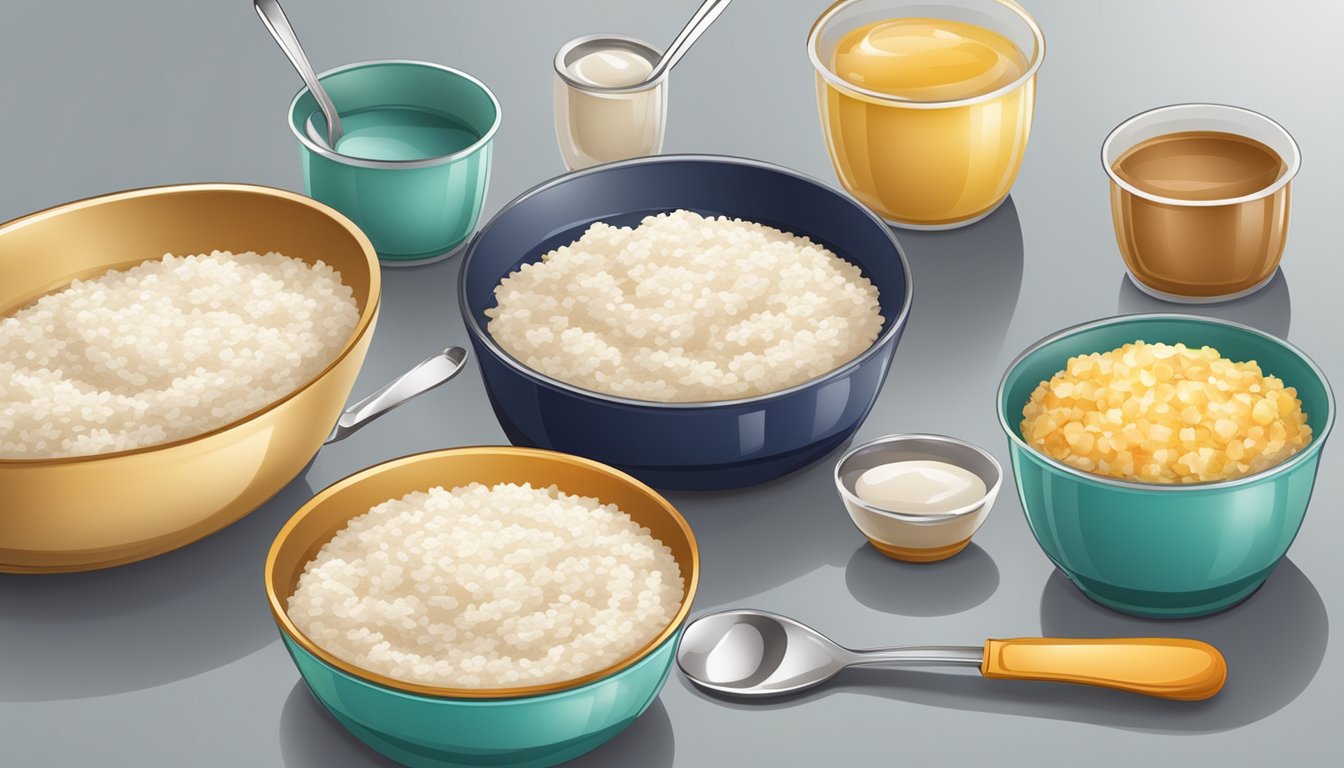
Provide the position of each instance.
(700, 21)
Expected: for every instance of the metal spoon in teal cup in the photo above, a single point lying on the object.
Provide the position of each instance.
(413, 163)
(1165, 551)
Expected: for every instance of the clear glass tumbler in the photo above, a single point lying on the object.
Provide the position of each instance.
(1200, 251)
(926, 164)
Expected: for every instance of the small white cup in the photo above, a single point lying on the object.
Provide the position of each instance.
(917, 538)
(596, 124)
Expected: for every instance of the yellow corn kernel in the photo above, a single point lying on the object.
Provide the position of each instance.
(1165, 413)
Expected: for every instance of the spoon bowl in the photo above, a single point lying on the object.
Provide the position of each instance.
(749, 653)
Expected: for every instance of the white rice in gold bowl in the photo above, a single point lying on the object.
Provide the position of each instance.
(165, 350)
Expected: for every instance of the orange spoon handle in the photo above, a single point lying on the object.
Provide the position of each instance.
(1171, 668)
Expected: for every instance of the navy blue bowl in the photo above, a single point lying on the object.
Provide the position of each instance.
(693, 446)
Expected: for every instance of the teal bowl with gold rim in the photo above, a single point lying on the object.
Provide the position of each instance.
(1166, 551)
(431, 727)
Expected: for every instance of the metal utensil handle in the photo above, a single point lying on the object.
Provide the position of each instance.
(700, 21)
(273, 16)
(420, 379)
(919, 655)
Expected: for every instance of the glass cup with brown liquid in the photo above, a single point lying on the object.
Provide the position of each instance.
(1200, 199)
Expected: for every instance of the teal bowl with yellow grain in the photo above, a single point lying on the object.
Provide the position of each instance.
(1161, 550)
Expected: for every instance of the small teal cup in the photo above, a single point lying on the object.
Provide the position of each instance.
(413, 210)
(1165, 551)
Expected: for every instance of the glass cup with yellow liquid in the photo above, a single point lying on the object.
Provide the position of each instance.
(927, 106)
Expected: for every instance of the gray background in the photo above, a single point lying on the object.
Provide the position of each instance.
(176, 662)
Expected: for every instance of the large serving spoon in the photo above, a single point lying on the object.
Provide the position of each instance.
(425, 376)
(273, 16)
(752, 653)
(700, 21)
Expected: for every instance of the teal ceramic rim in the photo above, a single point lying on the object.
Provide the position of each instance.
(428, 162)
(1312, 448)
(482, 334)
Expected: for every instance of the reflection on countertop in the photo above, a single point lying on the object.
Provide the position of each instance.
(942, 588)
(1270, 309)
(311, 738)
(1273, 642)
(648, 743)
(967, 283)
(798, 519)
(145, 624)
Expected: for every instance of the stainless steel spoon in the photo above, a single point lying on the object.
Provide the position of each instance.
(752, 653)
(425, 376)
(700, 21)
(273, 16)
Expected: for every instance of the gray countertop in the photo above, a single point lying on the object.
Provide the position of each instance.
(175, 661)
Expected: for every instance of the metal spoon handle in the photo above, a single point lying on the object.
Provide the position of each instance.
(919, 655)
(420, 379)
(700, 21)
(273, 16)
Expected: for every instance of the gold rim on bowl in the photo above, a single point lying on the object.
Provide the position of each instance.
(366, 315)
(286, 559)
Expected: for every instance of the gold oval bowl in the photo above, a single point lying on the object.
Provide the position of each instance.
(86, 512)
(316, 522)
